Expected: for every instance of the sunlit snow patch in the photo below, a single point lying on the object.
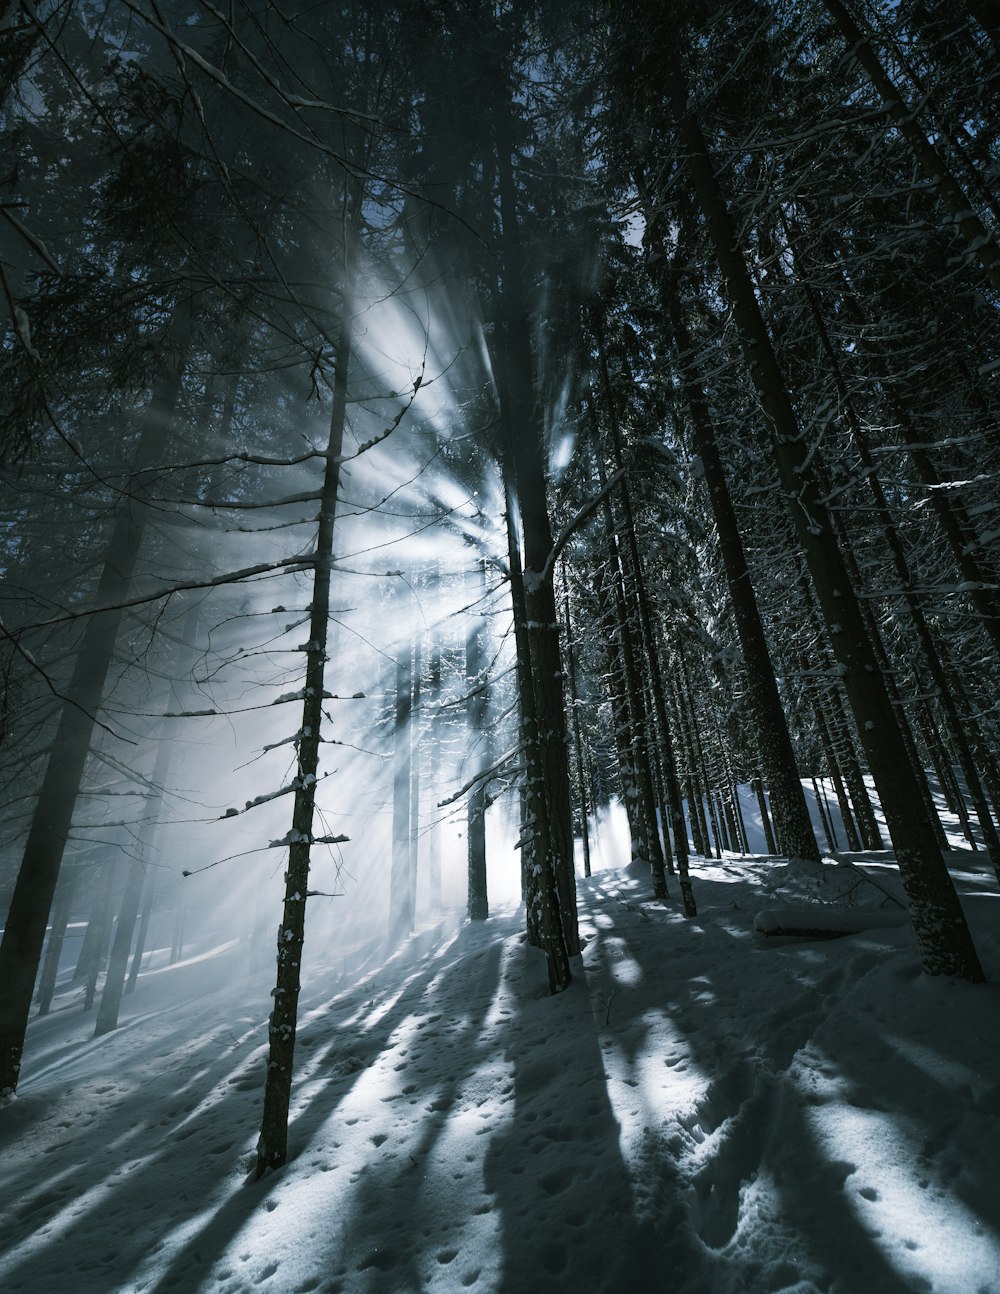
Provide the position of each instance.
(924, 1231)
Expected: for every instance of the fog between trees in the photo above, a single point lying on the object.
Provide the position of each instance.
(426, 424)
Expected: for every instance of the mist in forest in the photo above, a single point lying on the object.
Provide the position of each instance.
(498, 507)
(210, 679)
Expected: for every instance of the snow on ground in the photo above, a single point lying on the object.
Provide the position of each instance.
(705, 1111)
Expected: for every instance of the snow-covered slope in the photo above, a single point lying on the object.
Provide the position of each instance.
(705, 1111)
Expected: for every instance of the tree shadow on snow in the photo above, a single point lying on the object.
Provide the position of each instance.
(747, 1146)
(562, 1188)
(183, 1194)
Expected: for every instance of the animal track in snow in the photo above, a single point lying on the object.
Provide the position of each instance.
(557, 1182)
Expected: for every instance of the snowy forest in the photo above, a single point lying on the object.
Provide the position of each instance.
(500, 644)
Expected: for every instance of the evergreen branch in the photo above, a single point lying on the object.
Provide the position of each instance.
(233, 577)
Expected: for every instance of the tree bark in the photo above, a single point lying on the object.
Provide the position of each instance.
(574, 700)
(272, 1145)
(476, 709)
(646, 849)
(795, 835)
(61, 914)
(416, 734)
(524, 438)
(942, 933)
(696, 814)
(650, 643)
(28, 916)
(770, 844)
(148, 903)
(621, 719)
(433, 848)
(114, 983)
(103, 920)
(400, 910)
(979, 239)
(894, 543)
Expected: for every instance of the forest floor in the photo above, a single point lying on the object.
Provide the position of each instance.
(705, 1111)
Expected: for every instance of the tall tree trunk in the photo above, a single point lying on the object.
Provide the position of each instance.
(770, 844)
(61, 914)
(829, 754)
(894, 543)
(621, 718)
(180, 921)
(433, 847)
(476, 708)
(824, 816)
(686, 694)
(795, 835)
(979, 239)
(634, 569)
(400, 909)
(543, 915)
(574, 700)
(646, 849)
(531, 791)
(938, 756)
(114, 983)
(31, 903)
(416, 733)
(523, 430)
(103, 920)
(656, 764)
(272, 1145)
(942, 490)
(696, 815)
(942, 933)
(944, 124)
(148, 903)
